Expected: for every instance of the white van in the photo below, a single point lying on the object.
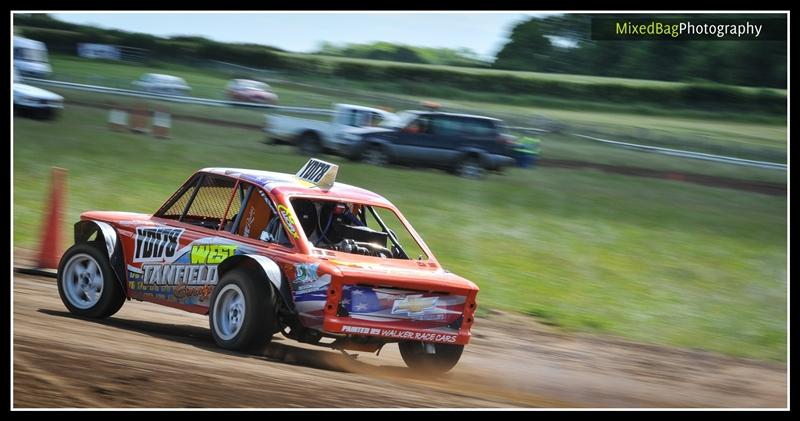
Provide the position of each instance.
(30, 57)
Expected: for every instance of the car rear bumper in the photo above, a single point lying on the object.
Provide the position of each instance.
(394, 314)
(395, 332)
(499, 161)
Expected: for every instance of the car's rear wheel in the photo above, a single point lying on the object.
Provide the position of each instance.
(430, 357)
(309, 144)
(86, 283)
(470, 167)
(375, 155)
(242, 312)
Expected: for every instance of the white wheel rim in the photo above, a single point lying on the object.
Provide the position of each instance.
(471, 169)
(83, 281)
(229, 310)
(375, 157)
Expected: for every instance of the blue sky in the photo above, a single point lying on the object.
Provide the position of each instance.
(484, 33)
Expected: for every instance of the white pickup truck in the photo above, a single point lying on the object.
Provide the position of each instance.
(315, 136)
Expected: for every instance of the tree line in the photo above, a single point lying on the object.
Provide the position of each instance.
(524, 88)
(563, 44)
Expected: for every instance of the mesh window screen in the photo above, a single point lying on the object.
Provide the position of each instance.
(183, 195)
(211, 200)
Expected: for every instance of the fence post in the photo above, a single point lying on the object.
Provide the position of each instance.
(162, 121)
(118, 117)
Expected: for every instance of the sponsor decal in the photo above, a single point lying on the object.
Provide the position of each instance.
(414, 305)
(400, 334)
(156, 244)
(158, 291)
(174, 274)
(202, 270)
(356, 329)
(211, 253)
(187, 275)
(183, 291)
(384, 304)
(134, 269)
(307, 280)
(288, 220)
(251, 217)
(256, 178)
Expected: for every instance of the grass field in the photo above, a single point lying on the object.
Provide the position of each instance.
(554, 146)
(734, 135)
(651, 260)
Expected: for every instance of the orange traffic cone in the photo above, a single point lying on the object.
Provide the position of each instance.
(50, 245)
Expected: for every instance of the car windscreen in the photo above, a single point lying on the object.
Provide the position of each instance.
(356, 228)
(478, 127)
(30, 54)
(169, 80)
(251, 84)
(399, 121)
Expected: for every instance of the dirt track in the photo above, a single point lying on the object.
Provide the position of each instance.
(763, 187)
(152, 356)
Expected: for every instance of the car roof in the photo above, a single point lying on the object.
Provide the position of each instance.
(28, 43)
(361, 107)
(163, 76)
(288, 184)
(480, 117)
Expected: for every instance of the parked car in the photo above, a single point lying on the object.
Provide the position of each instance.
(315, 136)
(467, 144)
(244, 90)
(264, 252)
(35, 102)
(30, 58)
(162, 84)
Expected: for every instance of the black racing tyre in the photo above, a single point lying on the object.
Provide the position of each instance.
(87, 284)
(443, 360)
(309, 144)
(470, 167)
(242, 312)
(375, 155)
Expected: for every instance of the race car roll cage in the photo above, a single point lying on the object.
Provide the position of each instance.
(238, 185)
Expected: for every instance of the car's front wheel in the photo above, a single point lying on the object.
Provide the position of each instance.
(470, 167)
(86, 282)
(310, 144)
(430, 357)
(242, 312)
(375, 155)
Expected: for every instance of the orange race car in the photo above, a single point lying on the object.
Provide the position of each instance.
(263, 252)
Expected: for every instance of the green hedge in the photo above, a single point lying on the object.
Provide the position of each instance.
(694, 95)
(420, 78)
